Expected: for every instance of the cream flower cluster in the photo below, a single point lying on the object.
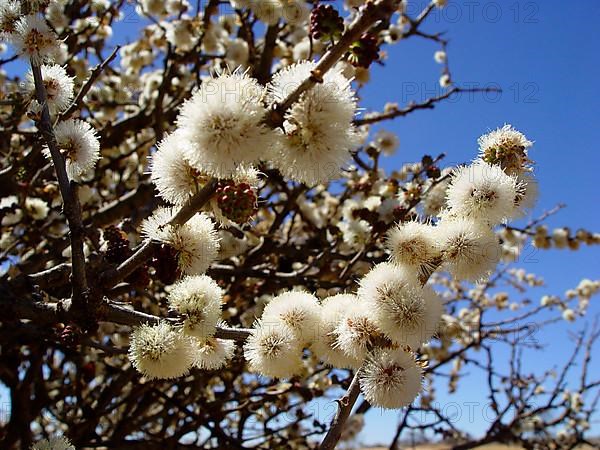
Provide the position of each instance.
(393, 311)
(27, 31)
(33, 39)
(477, 198)
(166, 350)
(221, 131)
(195, 242)
(79, 145)
(318, 132)
(378, 328)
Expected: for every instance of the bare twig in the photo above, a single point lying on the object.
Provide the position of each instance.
(96, 71)
(427, 104)
(345, 405)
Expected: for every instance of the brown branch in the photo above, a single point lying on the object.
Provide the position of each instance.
(345, 405)
(427, 104)
(123, 206)
(370, 14)
(60, 311)
(71, 206)
(263, 71)
(144, 252)
(96, 71)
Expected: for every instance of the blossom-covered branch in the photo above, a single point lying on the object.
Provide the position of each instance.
(242, 244)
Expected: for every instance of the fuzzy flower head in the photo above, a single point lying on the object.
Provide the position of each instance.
(36, 208)
(298, 310)
(212, 354)
(411, 244)
(273, 351)
(324, 345)
(470, 250)
(10, 13)
(482, 192)
(319, 134)
(160, 351)
(386, 142)
(79, 144)
(182, 34)
(198, 300)
(357, 331)
(59, 87)
(391, 379)
(527, 193)
(407, 313)
(34, 39)
(356, 233)
(55, 443)
(196, 242)
(507, 148)
(174, 177)
(222, 123)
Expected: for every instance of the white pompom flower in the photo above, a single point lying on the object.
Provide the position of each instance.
(527, 193)
(10, 13)
(356, 233)
(213, 353)
(386, 142)
(482, 192)
(297, 310)
(324, 345)
(407, 313)
(391, 379)
(507, 148)
(79, 144)
(223, 124)
(196, 242)
(272, 350)
(161, 351)
(319, 134)
(174, 177)
(357, 331)
(59, 87)
(36, 208)
(198, 299)
(34, 39)
(55, 443)
(411, 244)
(470, 250)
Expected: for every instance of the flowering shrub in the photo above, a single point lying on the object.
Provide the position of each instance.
(201, 232)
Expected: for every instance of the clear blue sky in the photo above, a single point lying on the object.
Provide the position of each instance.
(544, 55)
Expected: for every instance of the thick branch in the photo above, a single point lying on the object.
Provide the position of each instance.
(72, 209)
(41, 312)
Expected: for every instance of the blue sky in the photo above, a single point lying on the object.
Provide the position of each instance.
(543, 55)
